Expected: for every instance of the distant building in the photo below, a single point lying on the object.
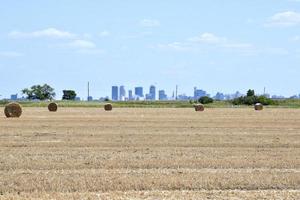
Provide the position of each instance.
(162, 95)
(77, 98)
(90, 98)
(278, 97)
(294, 97)
(183, 97)
(229, 96)
(138, 91)
(14, 97)
(219, 96)
(122, 93)
(152, 93)
(199, 93)
(114, 93)
(237, 94)
(130, 95)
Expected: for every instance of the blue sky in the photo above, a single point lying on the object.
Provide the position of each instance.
(215, 45)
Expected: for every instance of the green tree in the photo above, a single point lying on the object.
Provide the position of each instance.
(205, 100)
(69, 95)
(40, 92)
(250, 93)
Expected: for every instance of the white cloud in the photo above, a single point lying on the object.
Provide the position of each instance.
(238, 45)
(149, 23)
(82, 44)
(10, 54)
(208, 38)
(284, 19)
(91, 51)
(104, 33)
(177, 46)
(45, 33)
(211, 42)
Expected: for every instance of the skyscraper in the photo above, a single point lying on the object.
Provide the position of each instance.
(130, 95)
(199, 93)
(138, 91)
(114, 93)
(122, 93)
(14, 97)
(152, 92)
(162, 95)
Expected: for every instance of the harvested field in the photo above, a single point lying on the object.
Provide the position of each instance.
(87, 153)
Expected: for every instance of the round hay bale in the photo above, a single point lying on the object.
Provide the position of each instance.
(108, 107)
(199, 107)
(52, 107)
(258, 106)
(13, 110)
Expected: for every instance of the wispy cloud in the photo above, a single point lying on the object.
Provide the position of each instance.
(104, 33)
(149, 23)
(90, 51)
(75, 42)
(176, 46)
(208, 38)
(211, 42)
(81, 44)
(45, 33)
(10, 54)
(84, 47)
(284, 19)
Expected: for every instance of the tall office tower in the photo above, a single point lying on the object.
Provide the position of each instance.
(138, 91)
(199, 93)
(162, 95)
(130, 95)
(152, 92)
(114, 93)
(122, 93)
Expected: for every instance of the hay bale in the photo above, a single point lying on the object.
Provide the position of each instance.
(258, 106)
(52, 107)
(199, 107)
(108, 107)
(13, 110)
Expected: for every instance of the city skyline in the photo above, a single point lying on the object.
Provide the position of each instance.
(120, 93)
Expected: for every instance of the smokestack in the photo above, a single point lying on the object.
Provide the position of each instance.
(176, 92)
(88, 87)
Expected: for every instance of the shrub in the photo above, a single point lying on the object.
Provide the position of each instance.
(251, 100)
(69, 95)
(205, 100)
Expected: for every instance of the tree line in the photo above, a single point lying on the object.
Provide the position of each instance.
(46, 92)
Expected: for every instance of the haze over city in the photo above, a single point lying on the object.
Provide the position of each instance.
(214, 45)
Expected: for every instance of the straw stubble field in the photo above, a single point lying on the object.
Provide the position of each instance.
(87, 153)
